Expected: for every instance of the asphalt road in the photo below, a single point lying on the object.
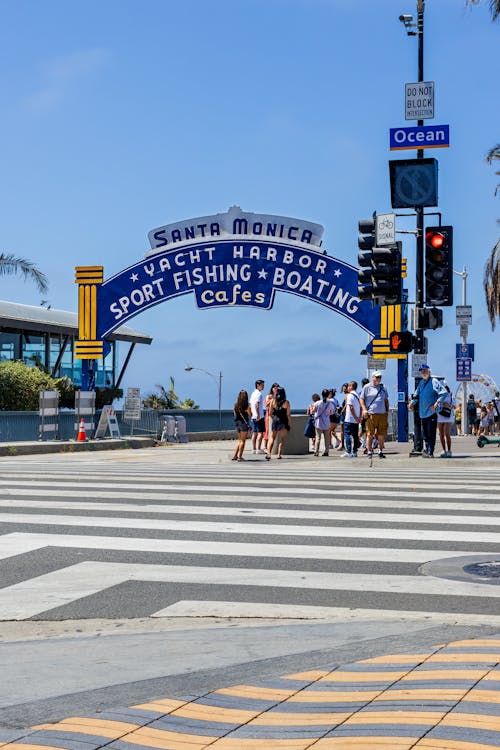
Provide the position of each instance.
(120, 571)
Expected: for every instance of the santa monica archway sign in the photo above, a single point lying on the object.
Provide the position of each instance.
(236, 259)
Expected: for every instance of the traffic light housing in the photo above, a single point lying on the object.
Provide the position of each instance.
(439, 266)
(401, 342)
(380, 268)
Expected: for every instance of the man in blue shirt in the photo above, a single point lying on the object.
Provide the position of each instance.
(429, 395)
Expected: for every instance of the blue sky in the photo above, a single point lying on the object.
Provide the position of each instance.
(121, 116)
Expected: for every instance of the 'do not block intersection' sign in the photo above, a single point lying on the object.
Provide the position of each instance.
(227, 260)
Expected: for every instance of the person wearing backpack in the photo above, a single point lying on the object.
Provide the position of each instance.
(429, 396)
(352, 421)
(375, 409)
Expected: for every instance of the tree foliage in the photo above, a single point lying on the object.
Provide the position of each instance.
(10, 266)
(494, 7)
(20, 386)
(164, 398)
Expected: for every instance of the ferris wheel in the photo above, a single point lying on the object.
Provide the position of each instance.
(483, 387)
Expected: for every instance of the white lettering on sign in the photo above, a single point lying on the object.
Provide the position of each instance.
(431, 136)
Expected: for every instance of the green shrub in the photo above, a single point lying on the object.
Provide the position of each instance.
(20, 386)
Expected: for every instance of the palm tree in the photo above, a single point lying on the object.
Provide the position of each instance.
(491, 280)
(494, 7)
(10, 265)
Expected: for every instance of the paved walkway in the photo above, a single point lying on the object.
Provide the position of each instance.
(447, 698)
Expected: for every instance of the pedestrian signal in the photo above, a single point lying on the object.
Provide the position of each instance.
(401, 342)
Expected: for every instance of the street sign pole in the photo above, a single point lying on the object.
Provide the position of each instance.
(463, 331)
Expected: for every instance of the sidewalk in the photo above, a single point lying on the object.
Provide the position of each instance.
(444, 698)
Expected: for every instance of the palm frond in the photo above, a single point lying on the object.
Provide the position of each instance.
(494, 7)
(10, 265)
(491, 284)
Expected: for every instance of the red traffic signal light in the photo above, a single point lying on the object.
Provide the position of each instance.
(434, 239)
(401, 342)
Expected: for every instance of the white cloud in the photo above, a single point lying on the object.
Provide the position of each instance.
(61, 75)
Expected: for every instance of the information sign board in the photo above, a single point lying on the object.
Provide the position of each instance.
(419, 100)
(465, 351)
(385, 229)
(464, 315)
(132, 405)
(416, 361)
(376, 364)
(464, 369)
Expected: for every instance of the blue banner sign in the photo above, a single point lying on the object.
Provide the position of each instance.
(425, 136)
(234, 273)
(465, 351)
(464, 370)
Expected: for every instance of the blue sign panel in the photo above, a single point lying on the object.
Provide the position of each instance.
(464, 369)
(425, 136)
(236, 273)
(465, 351)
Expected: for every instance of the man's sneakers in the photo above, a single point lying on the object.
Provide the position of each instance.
(369, 454)
(427, 455)
(381, 454)
(445, 454)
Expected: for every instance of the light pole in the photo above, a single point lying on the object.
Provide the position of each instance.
(218, 380)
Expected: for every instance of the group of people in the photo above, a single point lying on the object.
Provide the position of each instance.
(265, 418)
(483, 419)
(367, 410)
(363, 416)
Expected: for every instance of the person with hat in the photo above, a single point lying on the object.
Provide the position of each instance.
(374, 401)
(429, 396)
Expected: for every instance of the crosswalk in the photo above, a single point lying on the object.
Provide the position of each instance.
(81, 538)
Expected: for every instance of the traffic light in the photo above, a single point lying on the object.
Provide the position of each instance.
(401, 342)
(439, 266)
(366, 242)
(379, 276)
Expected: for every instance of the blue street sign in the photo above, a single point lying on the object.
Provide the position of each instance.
(425, 136)
(465, 351)
(464, 370)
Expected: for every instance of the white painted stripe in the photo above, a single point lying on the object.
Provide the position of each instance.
(249, 512)
(265, 610)
(18, 543)
(157, 524)
(242, 490)
(51, 590)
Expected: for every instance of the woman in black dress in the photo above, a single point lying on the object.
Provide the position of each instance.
(279, 414)
(242, 416)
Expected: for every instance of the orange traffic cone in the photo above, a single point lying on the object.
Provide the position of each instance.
(82, 437)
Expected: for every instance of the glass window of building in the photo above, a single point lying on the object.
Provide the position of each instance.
(33, 351)
(9, 346)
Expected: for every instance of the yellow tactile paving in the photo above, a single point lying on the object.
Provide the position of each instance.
(339, 676)
(301, 719)
(334, 696)
(215, 713)
(253, 691)
(484, 696)
(492, 676)
(473, 721)
(465, 658)
(424, 694)
(166, 705)
(228, 743)
(445, 674)
(474, 644)
(396, 717)
(167, 740)
(314, 674)
(366, 743)
(99, 727)
(397, 659)
(430, 744)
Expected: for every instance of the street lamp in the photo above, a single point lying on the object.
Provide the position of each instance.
(218, 380)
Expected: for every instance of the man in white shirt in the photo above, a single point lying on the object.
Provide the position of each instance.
(258, 421)
(352, 421)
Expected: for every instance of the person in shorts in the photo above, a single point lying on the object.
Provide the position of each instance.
(258, 421)
(374, 401)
